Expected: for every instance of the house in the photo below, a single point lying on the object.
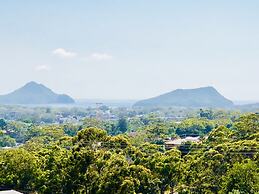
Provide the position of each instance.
(169, 144)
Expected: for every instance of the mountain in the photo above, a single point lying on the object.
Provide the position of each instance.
(34, 93)
(248, 107)
(200, 97)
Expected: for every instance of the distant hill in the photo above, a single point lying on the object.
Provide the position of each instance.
(34, 93)
(199, 97)
(248, 107)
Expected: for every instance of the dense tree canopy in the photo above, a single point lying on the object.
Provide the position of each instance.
(53, 160)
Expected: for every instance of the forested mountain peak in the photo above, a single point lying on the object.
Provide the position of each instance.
(33, 87)
(34, 93)
(197, 97)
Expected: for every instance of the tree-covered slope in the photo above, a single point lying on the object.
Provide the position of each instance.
(34, 93)
(199, 97)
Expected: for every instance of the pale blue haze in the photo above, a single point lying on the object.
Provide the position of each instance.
(131, 49)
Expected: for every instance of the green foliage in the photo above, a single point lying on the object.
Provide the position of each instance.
(71, 130)
(247, 126)
(3, 124)
(194, 127)
(54, 160)
(242, 177)
(7, 141)
(220, 135)
(208, 114)
(18, 169)
(122, 125)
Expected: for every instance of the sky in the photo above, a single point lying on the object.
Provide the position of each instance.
(130, 49)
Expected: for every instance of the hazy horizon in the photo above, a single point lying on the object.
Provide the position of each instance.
(131, 50)
(111, 100)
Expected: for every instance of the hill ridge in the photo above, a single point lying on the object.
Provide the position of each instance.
(196, 97)
(35, 93)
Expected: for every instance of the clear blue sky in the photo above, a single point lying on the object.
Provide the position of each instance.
(131, 49)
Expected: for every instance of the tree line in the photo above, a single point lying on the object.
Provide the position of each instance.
(94, 161)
